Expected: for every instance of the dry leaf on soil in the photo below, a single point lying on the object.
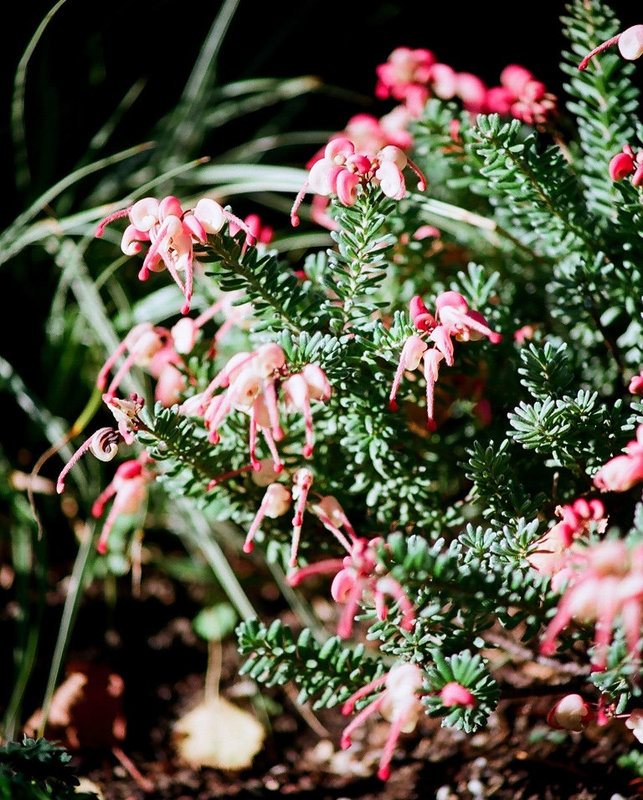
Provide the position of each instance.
(219, 734)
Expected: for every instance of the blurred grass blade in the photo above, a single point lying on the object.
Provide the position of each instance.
(80, 573)
(199, 533)
(283, 90)
(82, 223)
(185, 125)
(18, 129)
(58, 188)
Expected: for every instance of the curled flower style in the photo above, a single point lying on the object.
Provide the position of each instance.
(604, 582)
(622, 472)
(629, 42)
(357, 576)
(103, 444)
(128, 488)
(342, 169)
(172, 234)
(398, 701)
(453, 320)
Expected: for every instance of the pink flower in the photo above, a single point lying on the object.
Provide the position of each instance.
(626, 163)
(525, 333)
(276, 502)
(606, 582)
(249, 380)
(636, 385)
(142, 343)
(159, 351)
(453, 320)
(358, 575)
(629, 41)
(257, 233)
(550, 557)
(342, 170)
(126, 413)
(624, 471)
(398, 702)
(472, 91)
(128, 489)
(405, 76)
(299, 389)
(302, 481)
(570, 713)
(171, 233)
(522, 96)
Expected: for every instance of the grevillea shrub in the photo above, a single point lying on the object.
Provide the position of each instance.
(434, 418)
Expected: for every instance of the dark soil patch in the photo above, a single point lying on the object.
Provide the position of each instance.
(150, 643)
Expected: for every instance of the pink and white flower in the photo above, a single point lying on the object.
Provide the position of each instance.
(172, 234)
(623, 472)
(128, 489)
(570, 713)
(398, 701)
(453, 320)
(358, 576)
(604, 583)
(342, 170)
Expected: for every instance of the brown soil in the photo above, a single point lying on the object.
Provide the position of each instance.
(149, 642)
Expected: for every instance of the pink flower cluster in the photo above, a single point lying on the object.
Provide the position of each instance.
(551, 556)
(398, 702)
(250, 381)
(357, 575)
(603, 581)
(276, 502)
(412, 76)
(160, 350)
(172, 233)
(626, 163)
(453, 319)
(342, 169)
(128, 488)
(622, 472)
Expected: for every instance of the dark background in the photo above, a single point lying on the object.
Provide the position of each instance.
(91, 53)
